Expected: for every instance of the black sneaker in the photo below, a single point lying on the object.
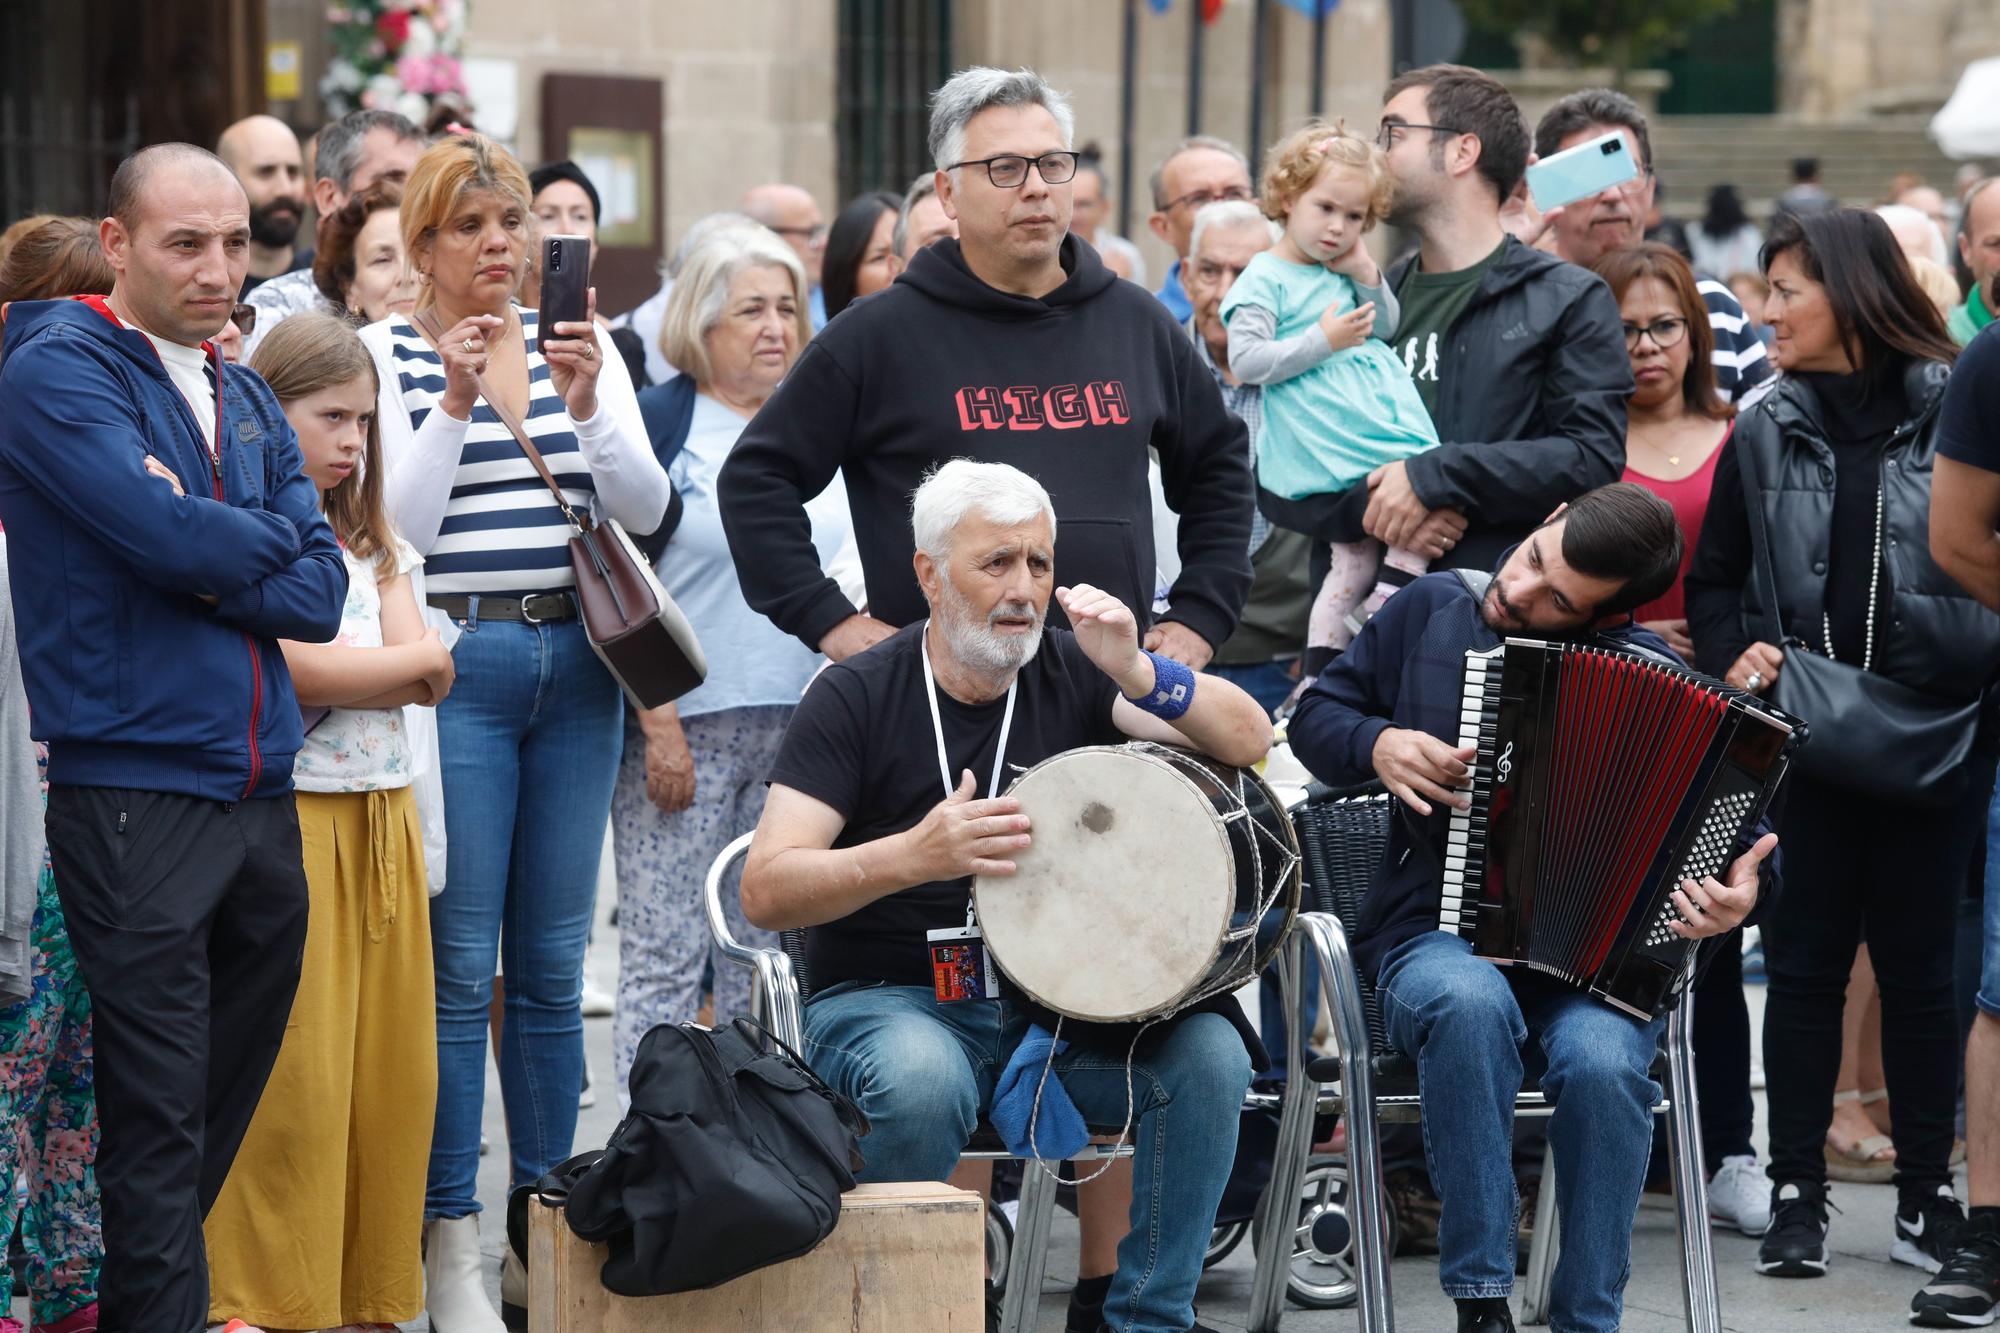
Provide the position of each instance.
(1966, 1290)
(1485, 1315)
(1086, 1304)
(1928, 1228)
(1795, 1243)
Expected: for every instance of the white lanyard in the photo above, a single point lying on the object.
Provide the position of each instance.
(937, 723)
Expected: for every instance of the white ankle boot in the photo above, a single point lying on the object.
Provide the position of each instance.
(513, 1290)
(454, 1282)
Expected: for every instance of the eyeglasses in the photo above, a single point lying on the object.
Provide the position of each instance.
(815, 235)
(1385, 136)
(245, 316)
(1201, 199)
(1665, 333)
(1010, 170)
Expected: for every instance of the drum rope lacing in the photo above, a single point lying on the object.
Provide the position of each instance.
(1288, 861)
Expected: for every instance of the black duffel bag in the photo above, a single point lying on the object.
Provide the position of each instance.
(731, 1158)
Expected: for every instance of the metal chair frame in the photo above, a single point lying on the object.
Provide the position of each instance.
(1357, 1029)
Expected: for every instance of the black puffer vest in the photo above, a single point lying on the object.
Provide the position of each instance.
(1930, 634)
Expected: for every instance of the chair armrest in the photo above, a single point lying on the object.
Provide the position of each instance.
(774, 989)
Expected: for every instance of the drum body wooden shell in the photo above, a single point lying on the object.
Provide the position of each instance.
(1141, 893)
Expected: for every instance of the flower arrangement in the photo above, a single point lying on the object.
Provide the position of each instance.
(395, 55)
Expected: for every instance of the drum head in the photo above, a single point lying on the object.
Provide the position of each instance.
(1119, 907)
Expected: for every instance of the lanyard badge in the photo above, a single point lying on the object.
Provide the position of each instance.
(960, 967)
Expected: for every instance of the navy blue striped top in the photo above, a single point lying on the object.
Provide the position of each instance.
(502, 535)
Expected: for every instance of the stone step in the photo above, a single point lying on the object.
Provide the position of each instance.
(1754, 153)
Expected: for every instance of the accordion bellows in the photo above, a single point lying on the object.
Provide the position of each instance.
(1602, 780)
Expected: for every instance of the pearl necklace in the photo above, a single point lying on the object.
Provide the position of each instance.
(1874, 589)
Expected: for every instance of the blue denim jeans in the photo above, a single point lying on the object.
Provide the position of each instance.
(529, 743)
(1467, 1024)
(923, 1073)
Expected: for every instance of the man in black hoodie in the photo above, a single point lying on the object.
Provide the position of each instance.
(1519, 356)
(1012, 344)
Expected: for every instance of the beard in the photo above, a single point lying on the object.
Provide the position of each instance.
(270, 227)
(977, 644)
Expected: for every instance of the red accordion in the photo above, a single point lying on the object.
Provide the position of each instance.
(1603, 779)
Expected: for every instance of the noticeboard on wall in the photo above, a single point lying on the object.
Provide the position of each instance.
(610, 127)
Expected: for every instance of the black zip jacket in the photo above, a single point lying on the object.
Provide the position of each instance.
(1074, 389)
(1532, 415)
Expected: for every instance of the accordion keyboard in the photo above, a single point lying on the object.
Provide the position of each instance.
(1465, 835)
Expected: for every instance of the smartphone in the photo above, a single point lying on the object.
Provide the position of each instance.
(565, 282)
(1577, 173)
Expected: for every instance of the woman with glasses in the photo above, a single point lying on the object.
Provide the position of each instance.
(1813, 585)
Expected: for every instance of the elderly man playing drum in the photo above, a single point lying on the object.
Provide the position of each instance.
(885, 802)
(1389, 708)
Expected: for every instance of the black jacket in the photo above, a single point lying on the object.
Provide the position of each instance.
(1929, 633)
(1074, 388)
(1532, 415)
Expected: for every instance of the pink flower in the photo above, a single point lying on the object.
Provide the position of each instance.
(413, 73)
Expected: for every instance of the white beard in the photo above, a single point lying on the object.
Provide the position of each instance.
(980, 646)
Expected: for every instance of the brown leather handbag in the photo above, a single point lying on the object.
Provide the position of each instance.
(634, 627)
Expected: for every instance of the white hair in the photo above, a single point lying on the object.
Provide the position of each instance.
(1225, 214)
(1905, 221)
(701, 289)
(971, 91)
(705, 228)
(998, 491)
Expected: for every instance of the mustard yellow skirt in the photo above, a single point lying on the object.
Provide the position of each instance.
(321, 1220)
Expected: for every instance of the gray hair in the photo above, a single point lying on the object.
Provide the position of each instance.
(1194, 142)
(999, 491)
(704, 229)
(701, 290)
(338, 154)
(1226, 215)
(921, 189)
(971, 91)
(1899, 216)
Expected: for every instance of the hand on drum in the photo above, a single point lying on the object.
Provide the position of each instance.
(961, 836)
(1414, 765)
(1713, 907)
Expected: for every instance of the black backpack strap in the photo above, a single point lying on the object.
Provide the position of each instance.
(552, 1188)
(1475, 581)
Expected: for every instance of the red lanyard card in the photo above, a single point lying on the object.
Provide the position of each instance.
(960, 969)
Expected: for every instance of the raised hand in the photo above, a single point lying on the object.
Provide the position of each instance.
(574, 360)
(1104, 629)
(1348, 330)
(463, 349)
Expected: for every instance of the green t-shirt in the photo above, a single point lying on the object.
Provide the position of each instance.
(1432, 303)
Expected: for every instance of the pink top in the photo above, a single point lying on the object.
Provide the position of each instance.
(1689, 497)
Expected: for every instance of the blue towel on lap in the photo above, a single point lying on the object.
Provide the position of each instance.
(1058, 1128)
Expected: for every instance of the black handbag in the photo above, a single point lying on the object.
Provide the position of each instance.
(1869, 733)
(731, 1158)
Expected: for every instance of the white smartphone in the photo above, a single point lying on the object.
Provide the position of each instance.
(1591, 167)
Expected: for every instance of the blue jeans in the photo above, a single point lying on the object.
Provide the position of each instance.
(1467, 1024)
(529, 742)
(923, 1073)
(1269, 683)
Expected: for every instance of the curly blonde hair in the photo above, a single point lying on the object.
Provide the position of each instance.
(1295, 163)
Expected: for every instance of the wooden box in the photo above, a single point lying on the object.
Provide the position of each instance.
(906, 1258)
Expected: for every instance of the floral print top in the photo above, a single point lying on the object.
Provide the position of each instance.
(359, 749)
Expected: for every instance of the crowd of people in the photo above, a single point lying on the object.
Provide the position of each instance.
(326, 760)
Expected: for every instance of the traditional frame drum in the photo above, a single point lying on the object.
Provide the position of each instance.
(1142, 892)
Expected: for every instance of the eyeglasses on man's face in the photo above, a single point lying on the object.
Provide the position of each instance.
(1665, 333)
(1386, 134)
(1009, 171)
(1201, 199)
(814, 235)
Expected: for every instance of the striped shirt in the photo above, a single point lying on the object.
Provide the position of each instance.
(1740, 361)
(500, 533)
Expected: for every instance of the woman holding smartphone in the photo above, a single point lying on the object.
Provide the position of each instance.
(529, 739)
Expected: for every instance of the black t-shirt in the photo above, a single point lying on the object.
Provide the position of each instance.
(861, 741)
(1969, 421)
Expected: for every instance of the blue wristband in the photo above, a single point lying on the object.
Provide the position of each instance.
(1172, 692)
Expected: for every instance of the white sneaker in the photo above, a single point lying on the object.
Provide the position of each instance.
(1740, 1196)
(597, 1002)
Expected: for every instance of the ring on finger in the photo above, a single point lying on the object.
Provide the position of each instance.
(467, 344)
(1756, 679)
(589, 352)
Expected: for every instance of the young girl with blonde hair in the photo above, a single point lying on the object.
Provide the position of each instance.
(1309, 320)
